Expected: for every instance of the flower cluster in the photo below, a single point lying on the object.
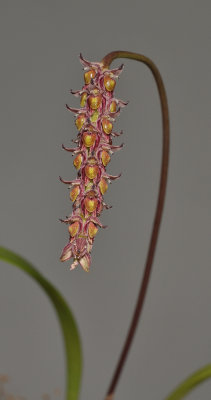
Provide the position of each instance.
(94, 121)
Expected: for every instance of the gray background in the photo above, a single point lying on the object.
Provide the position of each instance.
(40, 44)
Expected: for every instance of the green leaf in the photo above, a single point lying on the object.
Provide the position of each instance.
(190, 383)
(66, 319)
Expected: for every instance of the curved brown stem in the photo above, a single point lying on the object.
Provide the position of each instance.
(106, 61)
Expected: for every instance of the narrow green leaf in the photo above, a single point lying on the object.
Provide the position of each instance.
(67, 322)
(190, 383)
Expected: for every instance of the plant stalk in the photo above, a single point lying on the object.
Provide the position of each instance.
(106, 61)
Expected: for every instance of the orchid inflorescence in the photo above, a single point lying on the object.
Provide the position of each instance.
(94, 121)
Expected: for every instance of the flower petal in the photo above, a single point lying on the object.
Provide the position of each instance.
(66, 253)
(71, 149)
(86, 63)
(111, 177)
(74, 182)
(85, 262)
(116, 71)
(73, 265)
(76, 93)
(74, 110)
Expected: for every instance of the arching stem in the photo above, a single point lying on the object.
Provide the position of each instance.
(106, 61)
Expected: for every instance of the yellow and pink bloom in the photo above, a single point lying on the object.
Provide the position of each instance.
(94, 121)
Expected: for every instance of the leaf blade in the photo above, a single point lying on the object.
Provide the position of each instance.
(67, 321)
(190, 383)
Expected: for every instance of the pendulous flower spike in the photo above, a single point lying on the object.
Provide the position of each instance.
(94, 122)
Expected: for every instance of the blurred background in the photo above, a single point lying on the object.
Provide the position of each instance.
(40, 42)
